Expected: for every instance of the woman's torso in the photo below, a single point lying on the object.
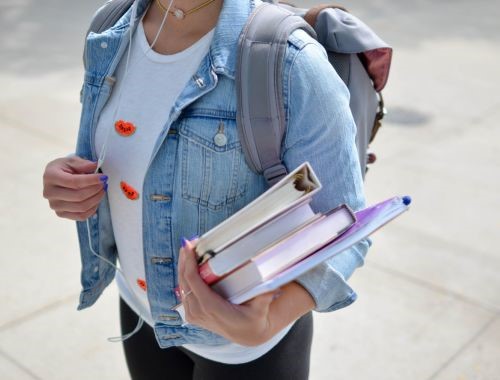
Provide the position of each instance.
(194, 179)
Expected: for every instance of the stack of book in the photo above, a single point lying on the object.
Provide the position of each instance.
(278, 237)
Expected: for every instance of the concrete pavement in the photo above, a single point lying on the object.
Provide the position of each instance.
(429, 295)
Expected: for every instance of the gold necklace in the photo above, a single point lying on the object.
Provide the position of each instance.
(179, 13)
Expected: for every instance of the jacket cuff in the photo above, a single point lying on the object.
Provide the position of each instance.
(327, 287)
(327, 282)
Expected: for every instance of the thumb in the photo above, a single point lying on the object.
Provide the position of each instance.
(78, 165)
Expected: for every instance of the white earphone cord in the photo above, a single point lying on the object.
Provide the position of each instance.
(102, 156)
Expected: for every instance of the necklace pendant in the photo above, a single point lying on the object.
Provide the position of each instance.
(179, 14)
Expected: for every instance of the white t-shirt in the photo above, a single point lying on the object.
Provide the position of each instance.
(142, 101)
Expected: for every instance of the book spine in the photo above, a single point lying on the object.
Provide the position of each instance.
(246, 276)
(207, 274)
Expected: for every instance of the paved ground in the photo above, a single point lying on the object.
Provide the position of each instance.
(429, 305)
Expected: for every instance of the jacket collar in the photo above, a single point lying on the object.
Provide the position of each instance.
(224, 47)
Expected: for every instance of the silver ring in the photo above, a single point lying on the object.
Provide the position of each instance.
(185, 294)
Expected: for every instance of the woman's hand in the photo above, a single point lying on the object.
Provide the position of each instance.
(249, 324)
(72, 188)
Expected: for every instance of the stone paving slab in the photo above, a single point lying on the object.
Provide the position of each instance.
(441, 78)
(40, 257)
(439, 264)
(11, 371)
(62, 344)
(53, 116)
(450, 205)
(429, 294)
(479, 360)
(397, 329)
(397, 319)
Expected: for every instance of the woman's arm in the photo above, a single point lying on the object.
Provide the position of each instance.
(321, 130)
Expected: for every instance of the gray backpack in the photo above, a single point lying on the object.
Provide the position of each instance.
(358, 55)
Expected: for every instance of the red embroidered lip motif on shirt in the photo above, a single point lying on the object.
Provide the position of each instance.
(129, 191)
(125, 128)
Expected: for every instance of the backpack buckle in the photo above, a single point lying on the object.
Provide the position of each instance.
(274, 173)
(381, 112)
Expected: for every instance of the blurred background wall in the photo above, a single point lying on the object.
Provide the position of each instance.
(429, 294)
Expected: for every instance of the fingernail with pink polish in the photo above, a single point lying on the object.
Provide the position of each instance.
(183, 242)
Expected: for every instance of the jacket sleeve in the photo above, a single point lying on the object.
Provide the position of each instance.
(321, 130)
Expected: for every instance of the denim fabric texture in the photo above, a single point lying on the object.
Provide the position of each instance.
(201, 182)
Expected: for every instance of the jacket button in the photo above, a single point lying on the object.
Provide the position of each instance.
(160, 198)
(165, 317)
(161, 260)
(199, 82)
(171, 336)
(220, 139)
(104, 45)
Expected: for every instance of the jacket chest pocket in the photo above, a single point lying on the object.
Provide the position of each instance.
(214, 173)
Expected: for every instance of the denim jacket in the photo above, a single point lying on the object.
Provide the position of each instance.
(192, 183)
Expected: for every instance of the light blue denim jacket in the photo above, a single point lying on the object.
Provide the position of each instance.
(192, 184)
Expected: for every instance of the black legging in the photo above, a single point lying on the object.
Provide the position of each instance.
(288, 360)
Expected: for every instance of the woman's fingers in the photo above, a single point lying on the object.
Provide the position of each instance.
(72, 188)
(183, 287)
(78, 216)
(191, 305)
(77, 206)
(72, 195)
(206, 296)
(72, 173)
(201, 304)
(80, 165)
(58, 177)
(189, 301)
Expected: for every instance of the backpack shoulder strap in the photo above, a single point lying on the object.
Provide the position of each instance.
(108, 15)
(105, 17)
(260, 114)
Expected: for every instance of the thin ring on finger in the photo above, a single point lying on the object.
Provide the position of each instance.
(185, 294)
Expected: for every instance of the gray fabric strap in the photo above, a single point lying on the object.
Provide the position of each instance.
(260, 114)
(107, 16)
